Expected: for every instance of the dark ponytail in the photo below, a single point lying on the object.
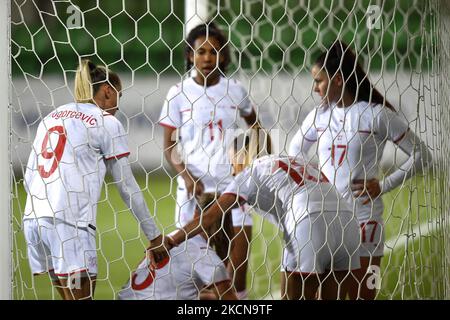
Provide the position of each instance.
(339, 58)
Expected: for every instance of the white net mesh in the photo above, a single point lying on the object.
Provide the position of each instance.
(273, 44)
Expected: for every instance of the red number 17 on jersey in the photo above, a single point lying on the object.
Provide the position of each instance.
(336, 149)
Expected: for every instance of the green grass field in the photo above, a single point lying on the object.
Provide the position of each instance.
(411, 270)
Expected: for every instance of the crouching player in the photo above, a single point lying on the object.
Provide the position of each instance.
(320, 232)
(193, 269)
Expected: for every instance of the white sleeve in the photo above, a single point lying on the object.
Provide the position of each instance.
(114, 141)
(131, 194)
(245, 105)
(305, 137)
(390, 124)
(170, 114)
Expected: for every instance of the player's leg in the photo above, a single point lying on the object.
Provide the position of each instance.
(79, 286)
(365, 281)
(242, 225)
(313, 252)
(363, 285)
(300, 262)
(343, 243)
(185, 204)
(74, 257)
(333, 285)
(39, 255)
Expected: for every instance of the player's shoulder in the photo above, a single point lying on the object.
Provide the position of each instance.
(317, 113)
(370, 111)
(367, 108)
(233, 85)
(179, 88)
(233, 82)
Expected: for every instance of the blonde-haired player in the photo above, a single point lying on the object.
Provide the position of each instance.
(191, 270)
(320, 232)
(74, 147)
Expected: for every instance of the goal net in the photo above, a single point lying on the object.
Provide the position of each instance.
(404, 46)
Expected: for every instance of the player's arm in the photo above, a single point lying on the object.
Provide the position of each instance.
(131, 194)
(222, 206)
(172, 156)
(305, 137)
(224, 290)
(390, 124)
(419, 159)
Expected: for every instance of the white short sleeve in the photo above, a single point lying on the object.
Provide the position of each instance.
(170, 113)
(391, 124)
(114, 142)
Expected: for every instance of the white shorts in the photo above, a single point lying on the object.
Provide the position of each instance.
(321, 242)
(185, 209)
(54, 245)
(372, 238)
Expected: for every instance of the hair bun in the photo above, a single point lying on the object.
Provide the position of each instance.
(91, 65)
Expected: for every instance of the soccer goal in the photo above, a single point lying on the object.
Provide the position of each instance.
(404, 46)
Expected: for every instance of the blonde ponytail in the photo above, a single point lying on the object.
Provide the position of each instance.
(89, 78)
(251, 148)
(83, 82)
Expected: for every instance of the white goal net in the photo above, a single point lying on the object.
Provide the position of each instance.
(404, 45)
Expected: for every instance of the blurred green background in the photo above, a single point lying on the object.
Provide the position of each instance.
(265, 36)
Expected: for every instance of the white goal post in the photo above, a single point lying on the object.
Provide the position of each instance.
(5, 160)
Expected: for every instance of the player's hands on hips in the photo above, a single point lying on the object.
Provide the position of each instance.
(194, 185)
(157, 251)
(366, 188)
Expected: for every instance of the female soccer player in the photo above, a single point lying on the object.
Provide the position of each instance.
(204, 110)
(191, 269)
(351, 127)
(319, 230)
(73, 148)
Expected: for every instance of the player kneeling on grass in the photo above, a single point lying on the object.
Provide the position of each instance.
(73, 148)
(320, 232)
(194, 270)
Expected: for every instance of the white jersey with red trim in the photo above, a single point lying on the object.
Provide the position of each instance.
(66, 166)
(192, 266)
(351, 141)
(207, 121)
(285, 191)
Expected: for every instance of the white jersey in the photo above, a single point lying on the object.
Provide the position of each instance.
(66, 167)
(192, 265)
(207, 121)
(285, 191)
(350, 145)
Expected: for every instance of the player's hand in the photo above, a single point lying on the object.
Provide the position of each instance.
(370, 189)
(158, 250)
(194, 186)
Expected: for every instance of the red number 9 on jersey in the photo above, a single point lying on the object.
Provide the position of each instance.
(57, 150)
